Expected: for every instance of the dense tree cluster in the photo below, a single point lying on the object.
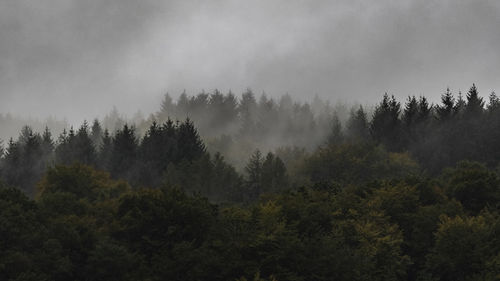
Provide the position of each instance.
(407, 193)
(439, 136)
(84, 225)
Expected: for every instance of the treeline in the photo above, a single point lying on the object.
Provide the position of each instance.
(437, 136)
(391, 196)
(237, 126)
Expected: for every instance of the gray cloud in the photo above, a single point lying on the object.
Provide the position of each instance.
(79, 58)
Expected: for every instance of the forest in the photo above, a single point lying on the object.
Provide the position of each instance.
(214, 186)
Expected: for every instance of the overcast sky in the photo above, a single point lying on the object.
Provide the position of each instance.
(77, 58)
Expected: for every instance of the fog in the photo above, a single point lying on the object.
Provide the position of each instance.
(77, 59)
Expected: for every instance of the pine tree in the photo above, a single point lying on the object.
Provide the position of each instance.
(167, 108)
(83, 147)
(248, 113)
(254, 175)
(183, 107)
(445, 111)
(96, 134)
(385, 127)
(105, 151)
(12, 161)
(475, 104)
(190, 145)
(494, 102)
(336, 134)
(273, 175)
(424, 110)
(459, 105)
(357, 125)
(124, 153)
(410, 113)
(47, 146)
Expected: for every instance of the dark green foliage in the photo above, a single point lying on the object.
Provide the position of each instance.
(359, 207)
(190, 145)
(123, 153)
(445, 111)
(26, 159)
(385, 127)
(473, 185)
(254, 174)
(357, 125)
(475, 103)
(76, 147)
(274, 176)
(336, 134)
(357, 163)
(96, 134)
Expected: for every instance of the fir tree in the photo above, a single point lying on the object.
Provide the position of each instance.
(445, 111)
(357, 125)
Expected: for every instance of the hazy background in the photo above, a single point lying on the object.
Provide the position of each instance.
(77, 59)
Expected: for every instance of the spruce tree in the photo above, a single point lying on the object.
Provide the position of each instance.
(385, 127)
(254, 175)
(445, 110)
(475, 103)
(336, 134)
(124, 153)
(96, 134)
(357, 125)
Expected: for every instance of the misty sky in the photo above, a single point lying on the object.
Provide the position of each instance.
(78, 58)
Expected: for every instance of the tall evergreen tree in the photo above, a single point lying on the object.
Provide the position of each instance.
(357, 125)
(248, 113)
(254, 175)
(445, 110)
(459, 105)
(47, 143)
(96, 134)
(410, 113)
(105, 151)
(494, 102)
(273, 175)
(190, 146)
(336, 134)
(124, 153)
(167, 108)
(385, 127)
(83, 146)
(475, 103)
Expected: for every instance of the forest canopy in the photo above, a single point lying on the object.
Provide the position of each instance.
(216, 187)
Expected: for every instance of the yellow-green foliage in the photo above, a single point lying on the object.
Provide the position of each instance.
(357, 163)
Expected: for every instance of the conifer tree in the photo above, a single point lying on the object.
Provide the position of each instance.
(424, 110)
(336, 134)
(357, 125)
(96, 134)
(248, 113)
(273, 176)
(124, 153)
(385, 127)
(445, 111)
(475, 103)
(190, 146)
(167, 108)
(254, 175)
(83, 147)
(459, 105)
(494, 102)
(410, 113)
(47, 143)
(105, 151)
(11, 163)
